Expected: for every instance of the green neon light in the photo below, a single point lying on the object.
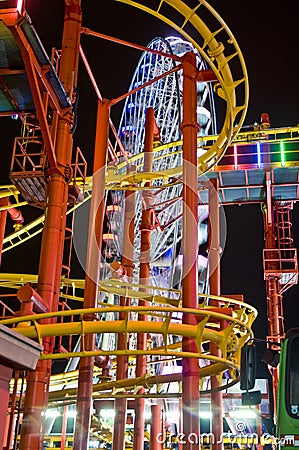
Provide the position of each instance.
(282, 156)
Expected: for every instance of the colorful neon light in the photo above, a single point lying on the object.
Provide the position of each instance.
(258, 148)
(235, 156)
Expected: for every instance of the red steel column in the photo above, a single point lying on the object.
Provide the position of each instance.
(5, 377)
(3, 217)
(274, 297)
(214, 279)
(189, 127)
(180, 445)
(14, 213)
(156, 428)
(12, 417)
(50, 265)
(63, 428)
(144, 276)
(120, 404)
(93, 258)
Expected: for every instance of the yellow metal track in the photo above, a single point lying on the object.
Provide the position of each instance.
(162, 320)
(32, 229)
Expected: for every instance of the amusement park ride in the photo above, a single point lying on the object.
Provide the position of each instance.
(147, 330)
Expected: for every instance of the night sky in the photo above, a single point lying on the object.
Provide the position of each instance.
(267, 34)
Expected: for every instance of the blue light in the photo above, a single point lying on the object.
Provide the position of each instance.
(128, 129)
(258, 147)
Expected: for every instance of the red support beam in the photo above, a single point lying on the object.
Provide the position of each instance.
(120, 404)
(274, 297)
(50, 265)
(5, 376)
(3, 216)
(95, 233)
(144, 274)
(190, 127)
(156, 428)
(11, 430)
(89, 32)
(215, 289)
(63, 428)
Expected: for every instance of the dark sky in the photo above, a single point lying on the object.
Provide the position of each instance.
(267, 33)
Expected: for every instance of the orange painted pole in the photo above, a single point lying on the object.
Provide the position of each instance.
(3, 217)
(50, 265)
(144, 276)
(180, 426)
(156, 428)
(274, 296)
(12, 417)
(15, 214)
(5, 377)
(215, 289)
(63, 428)
(93, 259)
(120, 404)
(273, 288)
(190, 375)
(129, 44)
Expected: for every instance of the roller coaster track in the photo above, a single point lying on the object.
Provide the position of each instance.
(32, 229)
(165, 319)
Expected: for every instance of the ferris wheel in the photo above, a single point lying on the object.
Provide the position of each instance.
(165, 97)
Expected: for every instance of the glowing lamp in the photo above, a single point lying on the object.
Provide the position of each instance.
(235, 156)
(282, 154)
(258, 148)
